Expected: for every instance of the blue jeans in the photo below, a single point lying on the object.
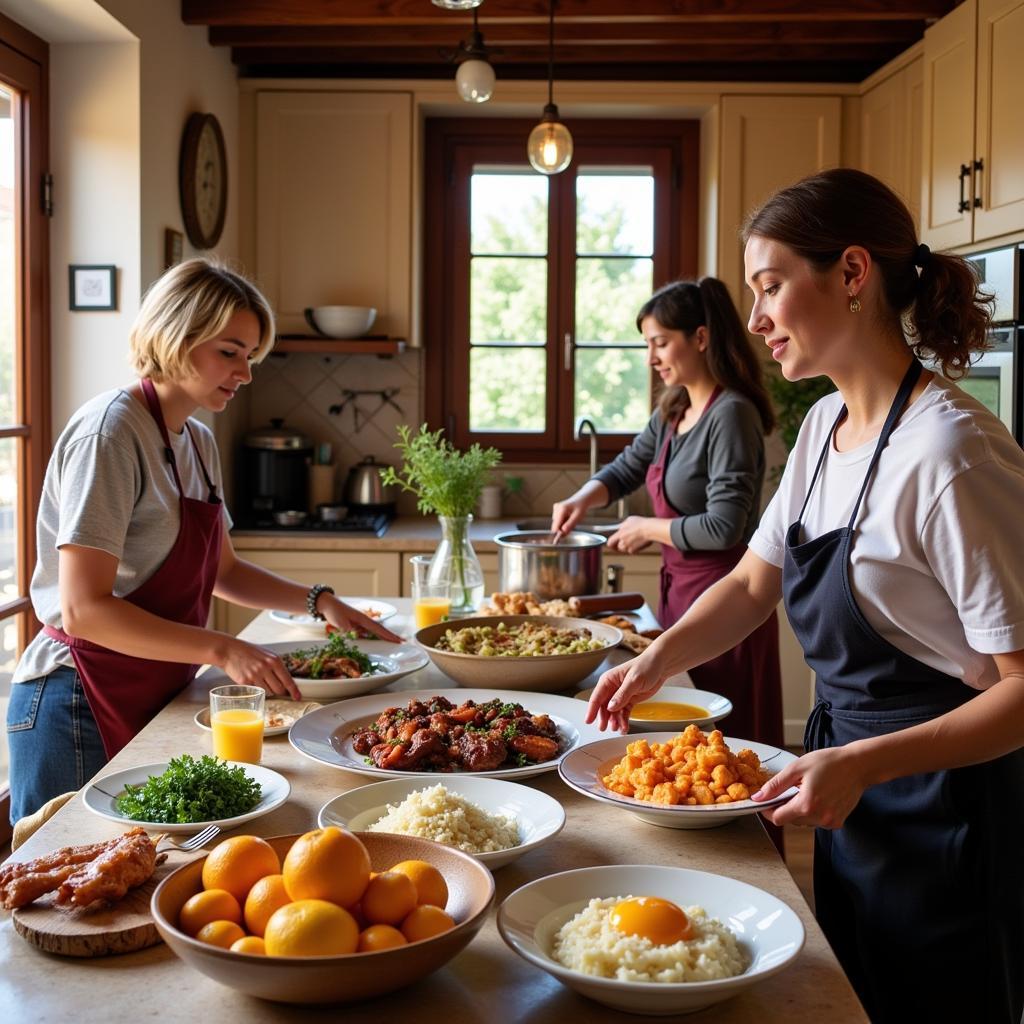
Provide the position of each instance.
(55, 745)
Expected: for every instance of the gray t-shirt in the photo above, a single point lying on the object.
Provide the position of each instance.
(109, 486)
(714, 474)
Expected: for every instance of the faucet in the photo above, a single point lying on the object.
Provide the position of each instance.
(586, 426)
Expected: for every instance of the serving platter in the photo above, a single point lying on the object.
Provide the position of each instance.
(583, 767)
(325, 735)
(361, 604)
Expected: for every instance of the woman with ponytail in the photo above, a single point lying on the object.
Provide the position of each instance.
(894, 539)
(701, 457)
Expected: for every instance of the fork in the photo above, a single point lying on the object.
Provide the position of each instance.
(193, 842)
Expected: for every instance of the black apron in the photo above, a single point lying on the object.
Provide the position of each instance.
(921, 891)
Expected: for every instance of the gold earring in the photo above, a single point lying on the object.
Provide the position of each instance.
(854, 304)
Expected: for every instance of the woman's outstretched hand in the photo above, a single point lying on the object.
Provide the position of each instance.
(252, 665)
(622, 687)
(345, 618)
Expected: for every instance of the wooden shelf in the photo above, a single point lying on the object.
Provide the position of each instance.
(378, 346)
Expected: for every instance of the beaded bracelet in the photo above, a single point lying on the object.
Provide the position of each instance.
(311, 598)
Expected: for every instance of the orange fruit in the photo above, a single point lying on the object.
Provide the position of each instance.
(425, 922)
(311, 928)
(430, 884)
(238, 864)
(264, 898)
(327, 864)
(209, 905)
(378, 937)
(249, 944)
(220, 933)
(388, 898)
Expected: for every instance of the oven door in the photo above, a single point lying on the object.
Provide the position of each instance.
(992, 379)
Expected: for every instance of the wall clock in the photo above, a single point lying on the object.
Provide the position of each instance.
(203, 180)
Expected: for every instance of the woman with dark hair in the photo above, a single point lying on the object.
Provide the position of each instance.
(895, 541)
(701, 457)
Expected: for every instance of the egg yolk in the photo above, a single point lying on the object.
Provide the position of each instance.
(652, 918)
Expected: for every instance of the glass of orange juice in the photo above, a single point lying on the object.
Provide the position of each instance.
(236, 718)
(431, 591)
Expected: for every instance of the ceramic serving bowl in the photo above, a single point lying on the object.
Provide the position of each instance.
(549, 673)
(335, 979)
(341, 321)
(711, 708)
(539, 816)
(769, 932)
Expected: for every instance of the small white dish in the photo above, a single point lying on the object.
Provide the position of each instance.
(540, 817)
(716, 706)
(583, 767)
(284, 712)
(276, 789)
(769, 931)
(378, 610)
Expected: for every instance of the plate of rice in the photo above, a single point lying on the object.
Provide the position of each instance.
(606, 933)
(493, 820)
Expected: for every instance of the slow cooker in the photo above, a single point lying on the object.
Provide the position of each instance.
(273, 473)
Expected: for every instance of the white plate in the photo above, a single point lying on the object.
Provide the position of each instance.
(361, 604)
(768, 930)
(397, 660)
(715, 704)
(275, 791)
(290, 710)
(324, 735)
(540, 817)
(580, 770)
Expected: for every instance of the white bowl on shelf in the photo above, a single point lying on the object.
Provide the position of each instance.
(341, 321)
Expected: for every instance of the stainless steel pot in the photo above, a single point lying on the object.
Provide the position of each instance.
(530, 560)
(364, 489)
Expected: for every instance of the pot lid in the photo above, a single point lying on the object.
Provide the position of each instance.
(277, 437)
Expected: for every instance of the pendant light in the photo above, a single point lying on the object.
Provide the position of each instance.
(457, 5)
(475, 76)
(550, 144)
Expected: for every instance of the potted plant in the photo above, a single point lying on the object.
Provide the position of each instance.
(792, 400)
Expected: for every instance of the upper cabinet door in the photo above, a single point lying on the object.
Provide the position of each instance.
(949, 70)
(1000, 120)
(333, 202)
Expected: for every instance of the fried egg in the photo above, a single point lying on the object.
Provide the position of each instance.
(652, 918)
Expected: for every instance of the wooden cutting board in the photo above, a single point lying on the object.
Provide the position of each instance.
(122, 928)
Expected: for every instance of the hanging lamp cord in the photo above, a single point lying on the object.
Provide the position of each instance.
(551, 52)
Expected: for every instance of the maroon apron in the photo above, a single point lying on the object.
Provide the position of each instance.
(749, 674)
(125, 692)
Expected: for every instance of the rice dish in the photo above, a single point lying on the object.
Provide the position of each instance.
(435, 813)
(591, 944)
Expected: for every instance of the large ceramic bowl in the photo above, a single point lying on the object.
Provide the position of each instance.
(341, 321)
(539, 817)
(549, 673)
(335, 979)
(707, 708)
(769, 932)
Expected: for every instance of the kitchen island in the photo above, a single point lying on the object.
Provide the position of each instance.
(485, 984)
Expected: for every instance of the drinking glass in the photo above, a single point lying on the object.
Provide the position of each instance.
(236, 718)
(431, 592)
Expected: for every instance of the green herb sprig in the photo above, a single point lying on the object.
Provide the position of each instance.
(190, 791)
(446, 481)
(338, 646)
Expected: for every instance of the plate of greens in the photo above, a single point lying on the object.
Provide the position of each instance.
(187, 793)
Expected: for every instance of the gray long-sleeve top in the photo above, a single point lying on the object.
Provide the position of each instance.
(714, 474)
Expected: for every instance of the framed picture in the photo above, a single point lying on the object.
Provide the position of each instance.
(93, 287)
(173, 242)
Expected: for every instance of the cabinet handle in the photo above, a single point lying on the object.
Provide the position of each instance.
(567, 351)
(963, 206)
(979, 166)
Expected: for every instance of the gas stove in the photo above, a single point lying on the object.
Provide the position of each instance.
(375, 523)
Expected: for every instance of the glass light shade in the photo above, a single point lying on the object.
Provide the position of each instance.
(475, 81)
(549, 147)
(457, 5)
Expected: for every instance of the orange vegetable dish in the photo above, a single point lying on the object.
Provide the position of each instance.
(690, 769)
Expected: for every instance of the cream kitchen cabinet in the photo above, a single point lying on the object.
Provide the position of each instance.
(333, 204)
(357, 573)
(973, 124)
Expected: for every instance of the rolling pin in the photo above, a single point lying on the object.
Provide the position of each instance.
(595, 604)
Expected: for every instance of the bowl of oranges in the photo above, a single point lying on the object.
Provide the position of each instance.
(330, 916)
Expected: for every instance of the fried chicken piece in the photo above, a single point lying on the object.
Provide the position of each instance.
(58, 858)
(536, 748)
(24, 888)
(126, 865)
(481, 752)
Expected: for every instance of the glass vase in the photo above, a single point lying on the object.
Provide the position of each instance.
(456, 559)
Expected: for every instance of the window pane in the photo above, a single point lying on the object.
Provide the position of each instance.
(508, 301)
(613, 388)
(615, 212)
(9, 590)
(9, 653)
(609, 292)
(508, 213)
(8, 259)
(507, 389)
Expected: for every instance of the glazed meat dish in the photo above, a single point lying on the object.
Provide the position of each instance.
(435, 735)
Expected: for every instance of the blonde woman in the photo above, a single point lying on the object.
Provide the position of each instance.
(133, 542)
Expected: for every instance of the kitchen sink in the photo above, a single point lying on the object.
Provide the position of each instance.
(594, 525)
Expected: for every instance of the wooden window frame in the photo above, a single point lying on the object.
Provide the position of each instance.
(453, 147)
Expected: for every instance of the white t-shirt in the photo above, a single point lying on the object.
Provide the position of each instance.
(109, 486)
(937, 562)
